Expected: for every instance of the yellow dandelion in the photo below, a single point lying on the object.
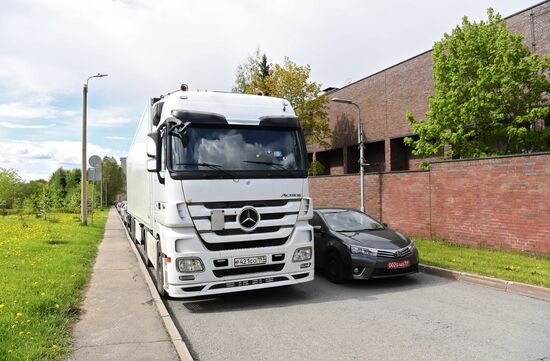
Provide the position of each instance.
(28, 332)
(56, 305)
(20, 333)
(42, 294)
(18, 314)
(54, 346)
(1, 306)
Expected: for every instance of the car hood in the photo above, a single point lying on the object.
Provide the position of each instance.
(379, 239)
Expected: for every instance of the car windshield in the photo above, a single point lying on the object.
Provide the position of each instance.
(350, 221)
(238, 148)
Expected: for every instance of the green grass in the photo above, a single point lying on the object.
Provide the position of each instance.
(509, 266)
(43, 271)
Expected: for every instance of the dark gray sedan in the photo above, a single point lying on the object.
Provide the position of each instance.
(352, 245)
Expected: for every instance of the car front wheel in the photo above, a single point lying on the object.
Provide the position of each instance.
(334, 268)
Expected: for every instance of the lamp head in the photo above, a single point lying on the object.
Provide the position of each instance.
(340, 100)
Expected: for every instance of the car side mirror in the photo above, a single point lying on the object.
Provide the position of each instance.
(317, 229)
(153, 148)
(385, 225)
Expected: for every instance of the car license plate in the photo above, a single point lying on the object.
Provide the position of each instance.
(399, 264)
(249, 261)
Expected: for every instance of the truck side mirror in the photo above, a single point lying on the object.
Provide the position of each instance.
(317, 229)
(154, 150)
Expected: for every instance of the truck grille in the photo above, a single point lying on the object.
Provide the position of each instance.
(225, 246)
(245, 270)
(277, 220)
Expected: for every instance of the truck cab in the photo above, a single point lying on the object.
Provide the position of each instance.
(218, 193)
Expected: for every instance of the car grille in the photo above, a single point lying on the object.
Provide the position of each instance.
(398, 253)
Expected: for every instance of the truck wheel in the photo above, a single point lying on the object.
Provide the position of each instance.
(334, 268)
(160, 273)
(148, 263)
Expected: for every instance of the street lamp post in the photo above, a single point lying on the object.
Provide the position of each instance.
(360, 140)
(84, 178)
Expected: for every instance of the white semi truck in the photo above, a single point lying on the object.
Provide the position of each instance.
(218, 193)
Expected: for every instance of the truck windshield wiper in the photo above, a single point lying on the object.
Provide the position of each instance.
(279, 165)
(212, 166)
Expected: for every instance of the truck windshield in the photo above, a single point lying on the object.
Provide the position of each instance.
(240, 150)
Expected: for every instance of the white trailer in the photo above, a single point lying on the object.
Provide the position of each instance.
(218, 193)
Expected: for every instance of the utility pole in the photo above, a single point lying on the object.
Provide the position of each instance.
(360, 140)
(84, 175)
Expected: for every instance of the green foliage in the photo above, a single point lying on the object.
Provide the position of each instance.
(245, 71)
(489, 95)
(114, 180)
(10, 186)
(316, 168)
(291, 82)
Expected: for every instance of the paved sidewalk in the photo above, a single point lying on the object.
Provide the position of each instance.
(120, 320)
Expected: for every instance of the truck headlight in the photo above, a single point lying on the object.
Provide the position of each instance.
(302, 254)
(189, 264)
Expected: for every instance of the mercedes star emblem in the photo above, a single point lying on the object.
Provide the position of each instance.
(249, 218)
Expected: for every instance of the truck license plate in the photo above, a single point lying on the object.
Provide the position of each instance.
(249, 261)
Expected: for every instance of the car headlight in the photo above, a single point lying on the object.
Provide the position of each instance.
(302, 254)
(189, 264)
(412, 246)
(363, 250)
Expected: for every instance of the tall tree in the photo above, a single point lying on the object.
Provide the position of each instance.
(58, 181)
(245, 72)
(264, 72)
(114, 180)
(10, 185)
(489, 94)
(291, 82)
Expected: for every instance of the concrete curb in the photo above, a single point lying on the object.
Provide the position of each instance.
(523, 289)
(175, 337)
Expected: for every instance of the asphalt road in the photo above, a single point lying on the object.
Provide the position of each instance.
(420, 317)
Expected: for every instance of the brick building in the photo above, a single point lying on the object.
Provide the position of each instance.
(386, 96)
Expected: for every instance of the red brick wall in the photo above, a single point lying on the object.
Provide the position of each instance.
(406, 202)
(501, 203)
(498, 203)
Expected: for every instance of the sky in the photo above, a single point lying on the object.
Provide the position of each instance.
(49, 48)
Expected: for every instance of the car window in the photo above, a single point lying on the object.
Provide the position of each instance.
(350, 221)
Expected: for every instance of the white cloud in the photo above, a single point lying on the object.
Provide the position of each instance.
(116, 138)
(35, 160)
(37, 107)
(11, 125)
(107, 118)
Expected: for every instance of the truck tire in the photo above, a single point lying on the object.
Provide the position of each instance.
(148, 262)
(159, 274)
